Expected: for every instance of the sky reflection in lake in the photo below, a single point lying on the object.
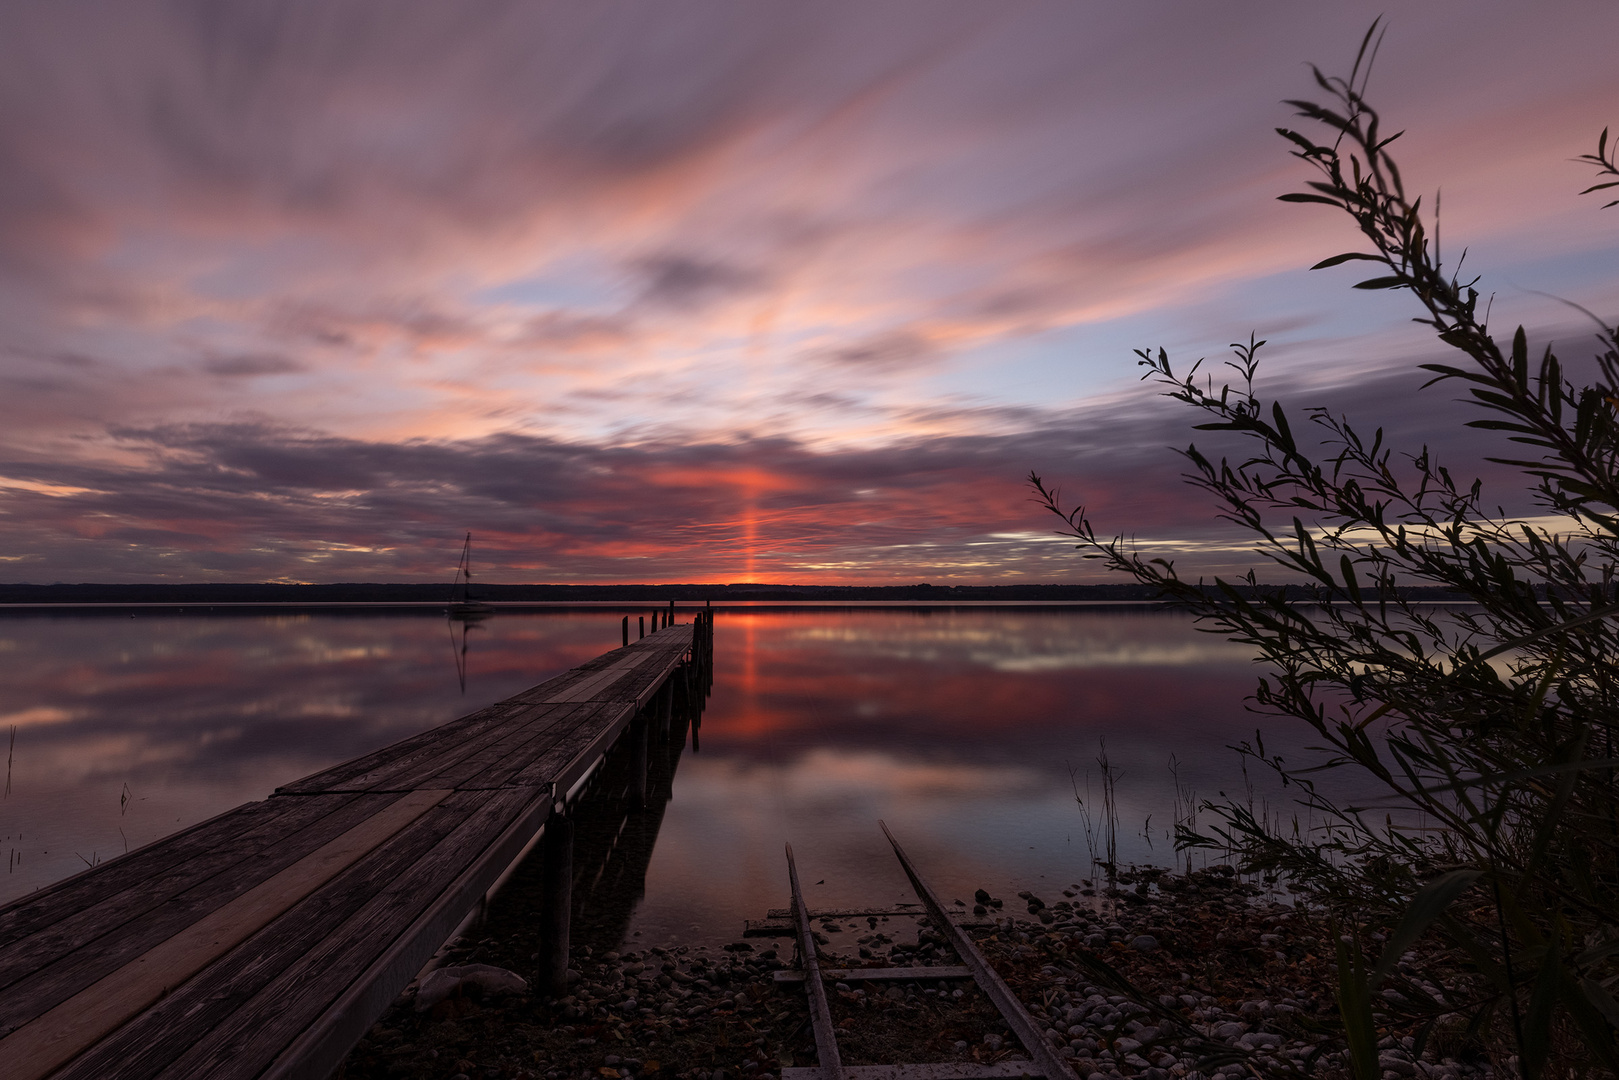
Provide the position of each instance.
(130, 726)
(959, 727)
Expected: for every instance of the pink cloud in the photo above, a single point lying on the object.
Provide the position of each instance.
(885, 237)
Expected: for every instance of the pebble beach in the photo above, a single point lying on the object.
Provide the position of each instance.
(1200, 976)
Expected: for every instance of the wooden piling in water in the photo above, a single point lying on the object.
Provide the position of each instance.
(556, 903)
(643, 763)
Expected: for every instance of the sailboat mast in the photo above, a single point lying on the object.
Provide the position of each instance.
(463, 570)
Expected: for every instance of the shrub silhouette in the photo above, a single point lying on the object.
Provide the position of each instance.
(1490, 728)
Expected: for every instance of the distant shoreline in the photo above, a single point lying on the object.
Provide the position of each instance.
(410, 595)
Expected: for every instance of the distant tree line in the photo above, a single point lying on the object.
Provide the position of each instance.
(204, 593)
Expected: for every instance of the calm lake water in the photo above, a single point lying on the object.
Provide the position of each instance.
(966, 729)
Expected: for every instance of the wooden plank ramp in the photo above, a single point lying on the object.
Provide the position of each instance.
(264, 942)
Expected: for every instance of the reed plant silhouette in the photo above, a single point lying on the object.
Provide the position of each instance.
(1493, 852)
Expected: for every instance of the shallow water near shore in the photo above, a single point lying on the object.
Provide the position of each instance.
(968, 730)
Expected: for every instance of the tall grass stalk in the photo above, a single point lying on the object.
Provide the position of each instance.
(1086, 820)
(1185, 811)
(1110, 812)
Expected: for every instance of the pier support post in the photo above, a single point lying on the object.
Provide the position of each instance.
(556, 902)
(626, 630)
(643, 730)
(666, 706)
(642, 620)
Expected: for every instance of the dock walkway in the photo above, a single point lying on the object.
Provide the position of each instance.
(264, 942)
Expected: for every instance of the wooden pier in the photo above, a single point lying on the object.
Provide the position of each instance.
(264, 942)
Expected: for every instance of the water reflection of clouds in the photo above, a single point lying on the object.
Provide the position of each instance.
(1025, 644)
(39, 714)
(719, 856)
(957, 727)
(197, 714)
(1111, 655)
(830, 774)
(985, 686)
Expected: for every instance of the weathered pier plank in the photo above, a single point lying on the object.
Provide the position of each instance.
(263, 942)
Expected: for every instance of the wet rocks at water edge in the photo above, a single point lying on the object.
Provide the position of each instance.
(654, 1013)
(1218, 982)
(1225, 983)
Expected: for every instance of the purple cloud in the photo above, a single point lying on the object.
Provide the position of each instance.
(649, 292)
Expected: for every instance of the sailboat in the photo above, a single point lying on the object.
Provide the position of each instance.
(462, 605)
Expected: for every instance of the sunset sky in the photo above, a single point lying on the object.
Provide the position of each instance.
(703, 291)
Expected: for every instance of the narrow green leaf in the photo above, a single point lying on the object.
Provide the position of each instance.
(1282, 430)
(1599, 952)
(1299, 140)
(1355, 1008)
(1537, 1020)
(1599, 997)
(1346, 257)
(1500, 425)
(1592, 1017)
(1427, 905)
(1520, 359)
(1348, 569)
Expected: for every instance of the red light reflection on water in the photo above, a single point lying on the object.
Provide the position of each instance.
(957, 726)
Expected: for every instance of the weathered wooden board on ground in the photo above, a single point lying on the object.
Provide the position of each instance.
(778, 922)
(893, 974)
(263, 942)
(949, 1070)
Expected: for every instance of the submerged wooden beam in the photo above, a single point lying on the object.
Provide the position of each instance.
(1051, 1066)
(944, 1070)
(778, 921)
(916, 974)
(826, 1036)
(915, 910)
